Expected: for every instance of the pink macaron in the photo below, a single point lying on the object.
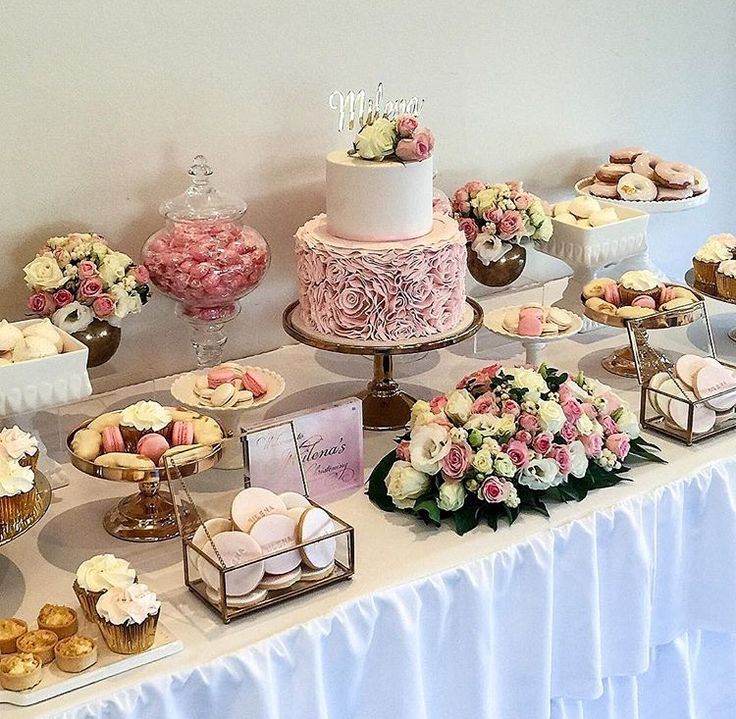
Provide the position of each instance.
(152, 445)
(220, 375)
(531, 322)
(644, 301)
(667, 294)
(112, 440)
(253, 385)
(612, 295)
(182, 433)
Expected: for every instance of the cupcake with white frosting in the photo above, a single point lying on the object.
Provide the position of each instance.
(637, 283)
(142, 418)
(19, 445)
(726, 279)
(17, 495)
(97, 575)
(708, 257)
(128, 617)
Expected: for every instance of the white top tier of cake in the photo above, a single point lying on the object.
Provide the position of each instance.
(378, 201)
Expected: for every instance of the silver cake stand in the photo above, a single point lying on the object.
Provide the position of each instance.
(385, 405)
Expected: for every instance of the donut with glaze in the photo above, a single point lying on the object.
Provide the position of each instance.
(626, 155)
(645, 164)
(670, 193)
(612, 172)
(602, 189)
(676, 175)
(636, 188)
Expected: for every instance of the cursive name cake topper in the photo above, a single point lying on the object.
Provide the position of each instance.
(354, 107)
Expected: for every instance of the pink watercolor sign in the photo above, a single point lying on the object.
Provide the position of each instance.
(330, 441)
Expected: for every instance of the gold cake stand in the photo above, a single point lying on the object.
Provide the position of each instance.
(43, 501)
(385, 405)
(708, 292)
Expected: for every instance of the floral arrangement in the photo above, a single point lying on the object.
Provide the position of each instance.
(502, 212)
(507, 439)
(402, 138)
(78, 278)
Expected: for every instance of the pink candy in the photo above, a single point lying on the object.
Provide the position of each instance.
(205, 263)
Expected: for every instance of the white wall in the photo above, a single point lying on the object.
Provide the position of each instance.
(103, 104)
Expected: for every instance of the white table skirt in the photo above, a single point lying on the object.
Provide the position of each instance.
(569, 617)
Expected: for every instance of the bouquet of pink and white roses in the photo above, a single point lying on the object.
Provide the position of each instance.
(402, 138)
(78, 278)
(507, 439)
(503, 212)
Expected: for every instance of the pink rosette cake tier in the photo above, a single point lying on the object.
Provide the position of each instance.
(381, 291)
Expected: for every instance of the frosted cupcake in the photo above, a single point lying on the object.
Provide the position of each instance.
(636, 283)
(19, 445)
(726, 279)
(98, 574)
(17, 495)
(707, 259)
(142, 418)
(128, 617)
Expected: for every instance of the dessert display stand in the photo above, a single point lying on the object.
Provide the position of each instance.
(533, 346)
(40, 507)
(690, 280)
(385, 405)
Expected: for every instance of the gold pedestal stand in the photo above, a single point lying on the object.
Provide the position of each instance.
(385, 405)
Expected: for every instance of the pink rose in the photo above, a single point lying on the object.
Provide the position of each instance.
(402, 451)
(613, 401)
(86, 269)
(424, 135)
(460, 195)
(566, 394)
(41, 303)
(523, 436)
(141, 274)
(485, 404)
(456, 462)
(515, 185)
(474, 187)
(572, 410)
(593, 444)
(511, 407)
(89, 288)
(589, 409)
(437, 404)
(568, 432)
(510, 225)
(414, 149)
(494, 490)
(562, 456)
(518, 452)
(103, 306)
(468, 226)
(493, 216)
(608, 424)
(528, 422)
(406, 125)
(63, 297)
(481, 376)
(619, 444)
(463, 208)
(542, 442)
(522, 201)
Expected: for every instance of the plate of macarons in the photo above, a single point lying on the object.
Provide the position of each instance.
(533, 321)
(637, 295)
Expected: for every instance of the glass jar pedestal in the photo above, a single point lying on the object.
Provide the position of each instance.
(208, 330)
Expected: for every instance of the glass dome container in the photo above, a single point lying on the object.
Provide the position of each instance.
(206, 258)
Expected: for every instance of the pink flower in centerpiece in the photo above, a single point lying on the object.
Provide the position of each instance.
(518, 452)
(474, 187)
(41, 303)
(103, 306)
(141, 274)
(456, 462)
(613, 401)
(608, 424)
(460, 195)
(528, 422)
(589, 409)
(568, 432)
(485, 404)
(493, 216)
(522, 201)
(62, 257)
(565, 394)
(406, 125)
(561, 455)
(511, 407)
(572, 410)
(510, 225)
(542, 442)
(469, 227)
(402, 451)
(494, 490)
(481, 376)
(619, 444)
(593, 444)
(523, 436)
(437, 404)
(86, 269)
(89, 288)
(63, 297)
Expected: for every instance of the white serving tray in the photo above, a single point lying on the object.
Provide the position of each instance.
(652, 207)
(56, 682)
(35, 384)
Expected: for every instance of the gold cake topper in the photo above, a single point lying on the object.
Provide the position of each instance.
(354, 108)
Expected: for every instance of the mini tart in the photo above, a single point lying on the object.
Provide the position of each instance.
(75, 654)
(40, 643)
(10, 630)
(20, 671)
(59, 619)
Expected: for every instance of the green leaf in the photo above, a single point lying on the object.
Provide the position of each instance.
(377, 483)
(428, 510)
(638, 450)
(466, 518)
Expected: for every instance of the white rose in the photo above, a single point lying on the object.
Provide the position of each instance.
(377, 140)
(405, 484)
(551, 417)
(528, 379)
(503, 466)
(483, 461)
(428, 446)
(44, 273)
(541, 474)
(585, 425)
(113, 267)
(491, 445)
(506, 425)
(579, 460)
(459, 405)
(458, 434)
(420, 414)
(486, 424)
(628, 423)
(451, 496)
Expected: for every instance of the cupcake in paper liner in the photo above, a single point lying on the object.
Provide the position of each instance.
(19, 445)
(726, 279)
(127, 618)
(707, 260)
(17, 495)
(98, 574)
(639, 282)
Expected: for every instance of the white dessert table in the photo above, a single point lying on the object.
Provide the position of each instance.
(618, 606)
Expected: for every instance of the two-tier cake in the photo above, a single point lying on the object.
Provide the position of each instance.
(379, 266)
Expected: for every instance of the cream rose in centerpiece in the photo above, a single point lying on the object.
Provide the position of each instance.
(44, 273)
(405, 484)
(428, 446)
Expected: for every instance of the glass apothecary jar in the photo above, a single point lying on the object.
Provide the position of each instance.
(206, 258)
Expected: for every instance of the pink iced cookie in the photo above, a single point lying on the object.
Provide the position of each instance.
(531, 322)
(112, 440)
(152, 445)
(220, 375)
(612, 295)
(182, 433)
(644, 301)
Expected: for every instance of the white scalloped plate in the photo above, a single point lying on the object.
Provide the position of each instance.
(494, 322)
(652, 207)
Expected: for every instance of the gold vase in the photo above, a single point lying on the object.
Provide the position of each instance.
(102, 340)
(500, 273)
